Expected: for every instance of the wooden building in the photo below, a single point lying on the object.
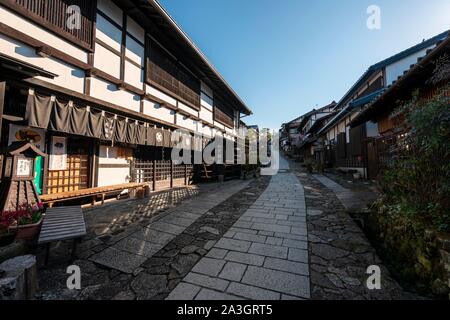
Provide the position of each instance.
(419, 76)
(346, 145)
(101, 91)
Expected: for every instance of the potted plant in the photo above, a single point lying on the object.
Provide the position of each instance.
(25, 221)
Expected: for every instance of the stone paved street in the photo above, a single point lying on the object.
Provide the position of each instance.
(263, 255)
(283, 237)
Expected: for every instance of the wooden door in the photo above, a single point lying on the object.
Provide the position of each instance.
(77, 173)
(372, 159)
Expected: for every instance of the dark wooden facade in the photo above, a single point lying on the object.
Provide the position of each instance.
(53, 15)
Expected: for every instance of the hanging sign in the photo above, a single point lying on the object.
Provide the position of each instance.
(28, 134)
(58, 153)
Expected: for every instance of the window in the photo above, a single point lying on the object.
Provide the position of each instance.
(53, 15)
(166, 73)
(222, 114)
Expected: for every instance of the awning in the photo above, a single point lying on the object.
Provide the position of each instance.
(23, 68)
(366, 99)
(65, 116)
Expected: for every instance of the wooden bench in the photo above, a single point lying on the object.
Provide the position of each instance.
(51, 199)
(62, 223)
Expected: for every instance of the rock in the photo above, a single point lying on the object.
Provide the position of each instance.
(314, 212)
(184, 263)
(137, 271)
(148, 286)
(210, 230)
(125, 295)
(328, 252)
(19, 280)
(163, 269)
(335, 280)
(189, 249)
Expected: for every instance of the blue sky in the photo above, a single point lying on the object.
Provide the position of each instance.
(286, 57)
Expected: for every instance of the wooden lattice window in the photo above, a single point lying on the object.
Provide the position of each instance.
(54, 14)
(223, 114)
(166, 73)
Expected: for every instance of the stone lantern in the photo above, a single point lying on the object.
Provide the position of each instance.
(17, 187)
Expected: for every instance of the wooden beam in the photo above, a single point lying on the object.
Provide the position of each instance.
(41, 47)
(2, 103)
(123, 46)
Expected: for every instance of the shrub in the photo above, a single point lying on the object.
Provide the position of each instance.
(417, 184)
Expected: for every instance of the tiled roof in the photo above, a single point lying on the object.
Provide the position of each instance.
(378, 66)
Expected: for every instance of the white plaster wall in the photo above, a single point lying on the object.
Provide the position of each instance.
(68, 76)
(111, 176)
(188, 109)
(219, 125)
(206, 102)
(106, 91)
(206, 115)
(17, 22)
(341, 126)
(157, 111)
(186, 122)
(134, 75)
(108, 33)
(153, 91)
(207, 131)
(395, 70)
(135, 51)
(107, 61)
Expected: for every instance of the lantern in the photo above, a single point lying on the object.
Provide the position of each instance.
(17, 186)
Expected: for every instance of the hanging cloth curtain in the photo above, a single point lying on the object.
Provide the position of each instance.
(94, 126)
(60, 116)
(108, 123)
(141, 134)
(167, 139)
(38, 110)
(131, 133)
(79, 120)
(151, 136)
(120, 132)
(159, 137)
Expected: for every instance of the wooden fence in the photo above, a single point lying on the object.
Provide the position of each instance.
(161, 174)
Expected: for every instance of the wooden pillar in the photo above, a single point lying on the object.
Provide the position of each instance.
(171, 174)
(154, 175)
(186, 181)
(2, 103)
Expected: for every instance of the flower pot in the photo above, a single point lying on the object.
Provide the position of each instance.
(28, 231)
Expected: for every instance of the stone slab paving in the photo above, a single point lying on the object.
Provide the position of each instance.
(339, 251)
(349, 199)
(263, 255)
(129, 253)
(146, 258)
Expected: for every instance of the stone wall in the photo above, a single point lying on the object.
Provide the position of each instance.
(418, 257)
